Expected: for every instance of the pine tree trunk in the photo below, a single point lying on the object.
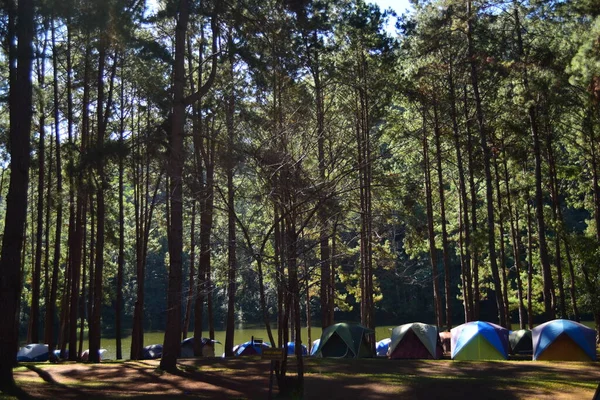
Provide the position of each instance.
(20, 105)
(84, 198)
(549, 299)
(34, 318)
(51, 273)
(486, 151)
(437, 301)
(171, 347)
(464, 207)
(502, 247)
(231, 217)
(82, 303)
(472, 189)
(95, 328)
(121, 255)
(333, 260)
(75, 212)
(295, 293)
(192, 274)
(572, 291)
(325, 267)
(144, 205)
(558, 223)
(516, 240)
(530, 265)
(445, 255)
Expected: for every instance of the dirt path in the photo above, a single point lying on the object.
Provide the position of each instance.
(325, 379)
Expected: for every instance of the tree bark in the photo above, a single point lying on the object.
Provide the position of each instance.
(437, 302)
(558, 223)
(473, 190)
(325, 266)
(75, 212)
(171, 346)
(34, 322)
(572, 292)
(549, 302)
(502, 246)
(95, 319)
(516, 240)
(530, 266)
(20, 109)
(445, 255)
(486, 151)
(464, 207)
(205, 147)
(192, 274)
(144, 205)
(549, 299)
(59, 186)
(121, 255)
(231, 217)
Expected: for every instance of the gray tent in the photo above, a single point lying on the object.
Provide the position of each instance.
(33, 352)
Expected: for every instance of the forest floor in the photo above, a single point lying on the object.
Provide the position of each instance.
(330, 379)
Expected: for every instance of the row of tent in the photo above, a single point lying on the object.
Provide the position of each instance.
(559, 339)
(37, 352)
(554, 340)
(477, 340)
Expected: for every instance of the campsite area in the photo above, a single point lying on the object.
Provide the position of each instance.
(330, 379)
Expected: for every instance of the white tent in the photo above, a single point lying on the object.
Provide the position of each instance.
(33, 352)
(86, 354)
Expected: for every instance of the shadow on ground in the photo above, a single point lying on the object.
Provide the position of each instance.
(376, 379)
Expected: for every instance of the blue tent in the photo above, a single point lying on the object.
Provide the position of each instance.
(382, 347)
(562, 339)
(478, 340)
(152, 351)
(250, 348)
(291, 349)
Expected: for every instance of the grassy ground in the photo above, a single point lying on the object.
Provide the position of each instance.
(329, 379)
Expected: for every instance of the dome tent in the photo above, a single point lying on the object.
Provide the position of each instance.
(415, 340)
(207, 346)
(291, 349)
(561, 339)
(152, 351)
(33, 352)
(478, 340)
(250, 348)
(344, 341)
(520, 341)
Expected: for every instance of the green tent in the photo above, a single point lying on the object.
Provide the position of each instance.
(344, 341)
(520, 341)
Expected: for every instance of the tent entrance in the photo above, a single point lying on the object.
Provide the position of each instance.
(411, 346)
(336, 347)
(479, 349)
(564, 348)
